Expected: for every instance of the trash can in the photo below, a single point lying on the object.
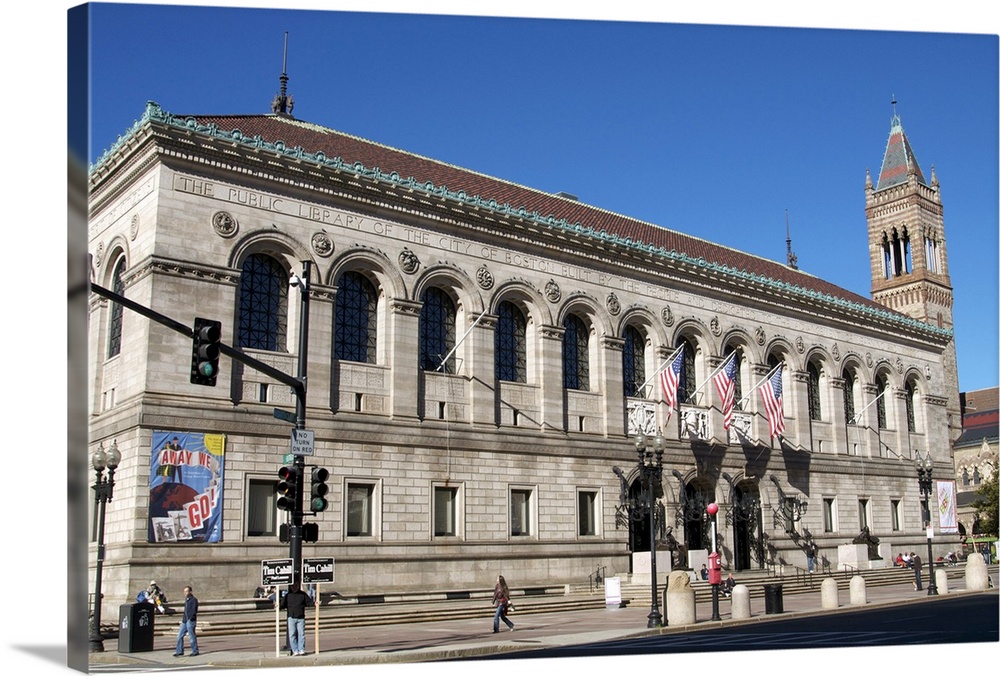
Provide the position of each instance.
(773, 604)
(135, 627)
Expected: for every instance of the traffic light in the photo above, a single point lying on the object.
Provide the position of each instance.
(205, 351)
(288, 479)
(319, 489)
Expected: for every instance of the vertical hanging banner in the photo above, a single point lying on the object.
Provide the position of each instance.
(947, 513)
(185, 487)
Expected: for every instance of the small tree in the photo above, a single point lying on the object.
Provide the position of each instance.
(986, 505)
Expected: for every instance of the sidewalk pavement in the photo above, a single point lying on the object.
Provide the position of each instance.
(456, 639)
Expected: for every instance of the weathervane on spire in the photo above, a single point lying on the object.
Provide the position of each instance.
(792, 258)
(282, 103)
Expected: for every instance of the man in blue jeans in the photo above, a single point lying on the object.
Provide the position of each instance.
(295, 603)
(188, 624)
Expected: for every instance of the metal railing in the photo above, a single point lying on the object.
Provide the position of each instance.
(597, 577)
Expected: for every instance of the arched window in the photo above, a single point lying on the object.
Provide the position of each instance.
(849, 398)
(117, 311)
(576, 354)
(911, 422)
(634, 361)
(687, 385)
(510, 343)
(356, 319)
(965, 476)
(815, 411)
(896, 254)
(437, 331)
(881, 385)
(263, 304)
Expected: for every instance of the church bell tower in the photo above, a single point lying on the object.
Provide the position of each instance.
(906, 245)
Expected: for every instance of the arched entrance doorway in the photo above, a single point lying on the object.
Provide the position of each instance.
(698, 494)
(744, 518)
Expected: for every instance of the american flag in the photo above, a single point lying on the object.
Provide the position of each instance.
(725, 385)
(669, 378)
(770, 392)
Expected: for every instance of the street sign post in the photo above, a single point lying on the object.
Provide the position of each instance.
(303, 442)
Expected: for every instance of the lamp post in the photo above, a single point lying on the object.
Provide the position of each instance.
(651, 473)
(925, 466)
(104, 488)
(713, 510)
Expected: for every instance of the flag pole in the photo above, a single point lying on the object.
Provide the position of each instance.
(858, 415)
(460, 341)
(669, 360)
(712, 374)
(762, 381)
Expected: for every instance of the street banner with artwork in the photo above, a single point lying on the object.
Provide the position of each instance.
(947, 513)
(185, 487)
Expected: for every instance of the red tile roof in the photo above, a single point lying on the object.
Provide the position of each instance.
(315, 139)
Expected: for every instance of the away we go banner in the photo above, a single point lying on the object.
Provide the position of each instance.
(185, 487)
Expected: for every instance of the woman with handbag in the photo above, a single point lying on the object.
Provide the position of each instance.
(501, 599)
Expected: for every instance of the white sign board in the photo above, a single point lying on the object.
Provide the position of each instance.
(303, 442)
(613, 591)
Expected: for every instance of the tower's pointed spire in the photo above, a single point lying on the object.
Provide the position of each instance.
(283, 103)
(899, 162)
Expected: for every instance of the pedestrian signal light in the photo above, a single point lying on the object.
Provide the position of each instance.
(205, 351)
(319, 489)
(288, 479)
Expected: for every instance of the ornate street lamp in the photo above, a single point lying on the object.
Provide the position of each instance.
(104, 488)
(651, 473)
(925, 465)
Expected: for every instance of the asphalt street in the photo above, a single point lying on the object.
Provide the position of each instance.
(465, 639)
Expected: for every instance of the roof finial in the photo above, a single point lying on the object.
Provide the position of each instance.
(792, 258)
(895, 117)
(282, 103)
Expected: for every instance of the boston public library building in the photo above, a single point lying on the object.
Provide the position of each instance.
(480, 358)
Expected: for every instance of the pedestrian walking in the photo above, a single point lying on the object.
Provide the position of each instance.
(811, 556)
(917, 564)
(295, 603)
(501, 599)
(188, 623)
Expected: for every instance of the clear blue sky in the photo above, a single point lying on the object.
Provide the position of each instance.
(711, 130)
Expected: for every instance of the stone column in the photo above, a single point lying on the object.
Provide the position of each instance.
(404, 353)
(552, 396)
(841, 444)
(613, 408)
(482, 371)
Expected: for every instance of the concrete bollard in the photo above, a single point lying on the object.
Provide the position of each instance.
(859, 593)
(976, 576)
(829, 594)
(680, 599)
(941, 580)
(740, 609)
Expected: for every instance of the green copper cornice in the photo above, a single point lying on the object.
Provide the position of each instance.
(154, 113)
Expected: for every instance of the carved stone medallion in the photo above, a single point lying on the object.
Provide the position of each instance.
(224, 223)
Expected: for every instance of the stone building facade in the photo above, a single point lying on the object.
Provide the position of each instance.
(976, 453)
(480, 358)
